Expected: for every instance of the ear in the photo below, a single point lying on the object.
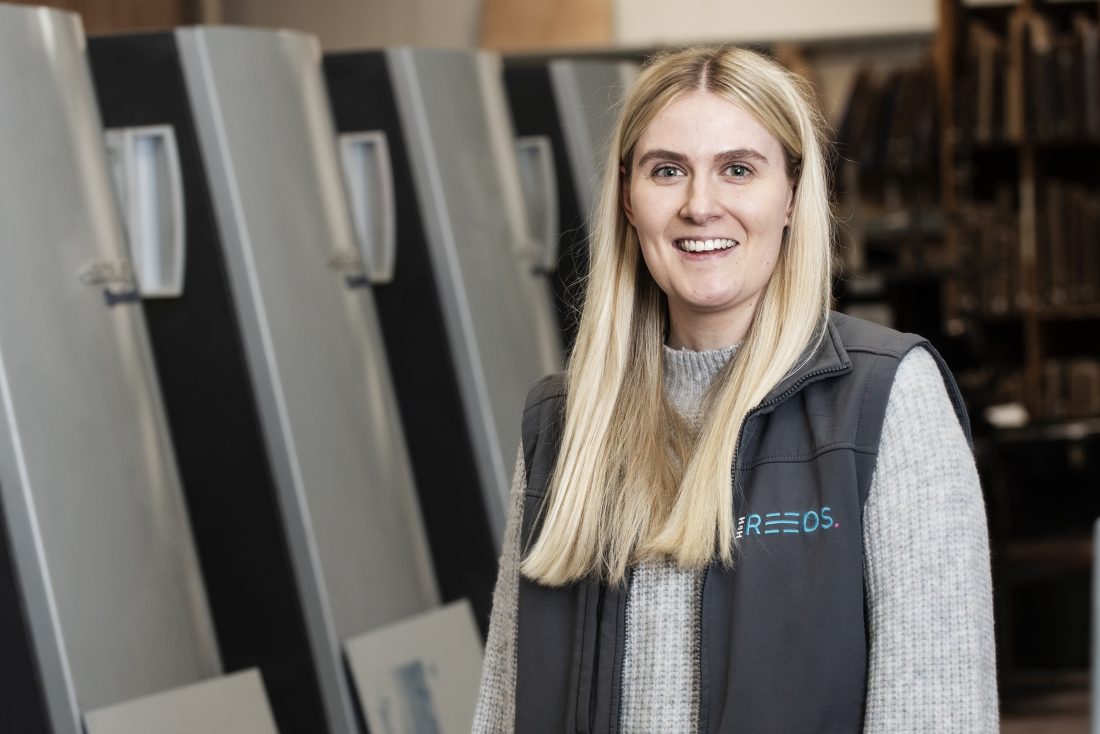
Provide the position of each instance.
(624, 194)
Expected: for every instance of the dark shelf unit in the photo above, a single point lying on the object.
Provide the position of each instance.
(1019, 91)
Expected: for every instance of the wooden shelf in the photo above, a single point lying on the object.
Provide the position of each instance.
(1005, 183)
(1069, 312)
(1012, 147)
(1062, 554)
(1013, 24)
(1048, 314)
(1068, 430)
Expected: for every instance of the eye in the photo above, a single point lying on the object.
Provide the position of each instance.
(738, 170)
(666, 171)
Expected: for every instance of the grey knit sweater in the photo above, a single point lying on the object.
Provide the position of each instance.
(931, 660)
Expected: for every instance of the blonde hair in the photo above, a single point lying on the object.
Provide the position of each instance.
(631, 482)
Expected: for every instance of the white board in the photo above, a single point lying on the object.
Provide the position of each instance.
(421, 675)
(233, 704)
(644, 23)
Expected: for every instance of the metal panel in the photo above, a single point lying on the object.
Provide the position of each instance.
(587, 94)
(439, 436)
(500, 324)
(311, 338)
(89, 484)
(210, 404)
(572, 103)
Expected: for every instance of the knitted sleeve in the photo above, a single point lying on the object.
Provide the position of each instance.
(926, 565)
(496, 701)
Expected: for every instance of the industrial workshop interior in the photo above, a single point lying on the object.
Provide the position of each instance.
(276, 277)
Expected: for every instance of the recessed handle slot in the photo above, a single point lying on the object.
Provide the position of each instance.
(146, 171)
(365, 157)
(535, 156)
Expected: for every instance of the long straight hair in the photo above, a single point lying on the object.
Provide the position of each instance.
(631, 482)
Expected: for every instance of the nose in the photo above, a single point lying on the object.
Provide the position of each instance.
(701, 205)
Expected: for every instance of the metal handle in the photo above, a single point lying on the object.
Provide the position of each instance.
(365, 158)
(146, 171)
(535, 155)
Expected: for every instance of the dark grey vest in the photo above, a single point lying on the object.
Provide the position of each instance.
(783, 645)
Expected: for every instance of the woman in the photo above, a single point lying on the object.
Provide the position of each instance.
(736, 511)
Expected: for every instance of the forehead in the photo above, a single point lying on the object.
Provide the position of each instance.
(701, 124)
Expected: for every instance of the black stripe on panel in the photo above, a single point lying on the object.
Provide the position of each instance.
(424, 372)
(22, 706)
(534, 112)
(197, 346)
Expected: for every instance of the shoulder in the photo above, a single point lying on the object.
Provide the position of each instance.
(895, 357)
(922, 394)
(919, 370)
(862, 336)
(924, 401)
(924, 454)
(543, 416)
(549, 388)
(543, 411)
(887, 365)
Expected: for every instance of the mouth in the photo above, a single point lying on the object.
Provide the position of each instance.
(711, 245)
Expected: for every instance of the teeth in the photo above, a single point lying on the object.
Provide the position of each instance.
(705, 245)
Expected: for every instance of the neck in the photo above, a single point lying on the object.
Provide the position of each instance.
(688, 376)
(702, 331)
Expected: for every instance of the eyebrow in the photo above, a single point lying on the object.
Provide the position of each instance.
(739, 154)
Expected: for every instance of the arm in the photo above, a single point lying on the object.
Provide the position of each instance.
(926, 565)
(496, 702)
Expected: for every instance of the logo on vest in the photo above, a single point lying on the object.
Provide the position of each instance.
(785, 523)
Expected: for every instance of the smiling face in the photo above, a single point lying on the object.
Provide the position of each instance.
(709, 196)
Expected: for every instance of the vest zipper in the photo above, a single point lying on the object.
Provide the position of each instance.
(795, 386)
(620, 651)
(700, 724)
(593, 697)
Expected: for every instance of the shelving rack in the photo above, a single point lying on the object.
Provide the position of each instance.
(1025, 162)
(1041, 479)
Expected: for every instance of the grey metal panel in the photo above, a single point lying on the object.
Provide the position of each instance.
(499, 319)
(530, 251)
(234, 704)
(312, 344)
(587, 94)
(89, 482)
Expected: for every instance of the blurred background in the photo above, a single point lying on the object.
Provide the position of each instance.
(967, 190)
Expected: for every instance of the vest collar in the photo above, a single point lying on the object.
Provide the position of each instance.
(828, 359)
